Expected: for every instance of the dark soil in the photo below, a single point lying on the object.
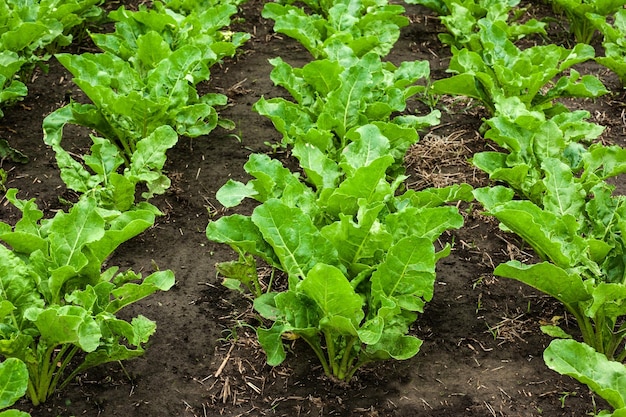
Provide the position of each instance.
(482, 351)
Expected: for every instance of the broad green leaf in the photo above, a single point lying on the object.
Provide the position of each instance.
(131, 292)
(407, 275)
(335, 297)
(13, 381)
(67, 324)
(344, 105)
(272, 343)
(233, 193)
(296, 241)
(70, 232)
(580, 361)
(368, 183)
(560, 243)
(548, 278)
(428, 223)
(240, 232)
(323, 75)
(609, 300)
(321, 170)
(563, 195)
(360, 241)
(119, 230)
(17, 284)
(367, 144)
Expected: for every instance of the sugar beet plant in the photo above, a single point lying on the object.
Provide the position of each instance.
(333, 96)
(567, 214)
(498, 69)
(143, 83)
(461, 20)
(360, 260)
(30, 31)
(578, 15)
(362, 25)
(147, 75)
(527, 138)
(57, 301)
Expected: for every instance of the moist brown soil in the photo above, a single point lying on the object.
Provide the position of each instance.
(482, 351)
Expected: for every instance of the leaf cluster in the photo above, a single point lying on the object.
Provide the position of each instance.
(461, 20)
(30, 31)
(143, 93)
(497, 69)
(360, 260)
(55, 298)
(334, 96)
(579, 12)
(362, 25)
(614, 42)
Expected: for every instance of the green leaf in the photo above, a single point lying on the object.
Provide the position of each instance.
(407, 276)
(580, 361)
(70, 232)
(335, 297)
(548, 278)
(17, 285)
(295, 240)
(367, 182)
(148, 159)
(563, 195)
(241, 233)
(67, 324)
(555, 331)
(13, 381)
(130, 292)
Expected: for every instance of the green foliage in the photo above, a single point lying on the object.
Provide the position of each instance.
(577, 13)
(11, 89)
(146, 36)
(461, 20)
(500, 70)
(614, 42)
(360, 259)
(333, 97)
(98, 174)
(13, 383)
(33, 27)
(577, 232)
(530, 138)
(55, 299)
(364, 26)
(580, 361)
(128, 105)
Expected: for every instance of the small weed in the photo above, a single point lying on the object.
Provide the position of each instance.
(564, 396)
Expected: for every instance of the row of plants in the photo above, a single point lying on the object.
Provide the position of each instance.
(555, 195)
(353, 252)
(59, 298)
